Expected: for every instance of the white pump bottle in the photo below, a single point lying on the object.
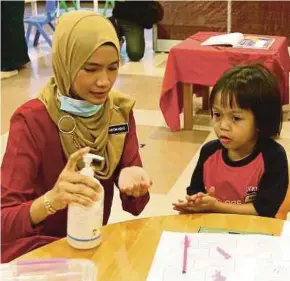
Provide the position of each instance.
(84, 223)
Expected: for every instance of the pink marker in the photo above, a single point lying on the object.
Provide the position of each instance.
(185, 249)
(223, 253)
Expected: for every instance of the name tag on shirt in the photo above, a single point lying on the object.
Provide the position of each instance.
(118, 129)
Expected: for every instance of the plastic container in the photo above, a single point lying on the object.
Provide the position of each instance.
(49, 270)
(84, 223)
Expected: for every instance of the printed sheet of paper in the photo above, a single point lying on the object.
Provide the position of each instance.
(286, 230)
(221, 257)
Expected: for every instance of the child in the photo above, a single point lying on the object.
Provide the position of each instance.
(244, 171)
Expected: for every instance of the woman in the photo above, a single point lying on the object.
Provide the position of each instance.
(49, 135)
(14, 53)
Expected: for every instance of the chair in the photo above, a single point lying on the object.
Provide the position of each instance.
(39, 21)
(108, 2)
(64, 8)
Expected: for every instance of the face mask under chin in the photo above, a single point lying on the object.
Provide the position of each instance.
(78, 107)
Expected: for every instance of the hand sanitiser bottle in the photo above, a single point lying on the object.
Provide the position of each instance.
(84, 223)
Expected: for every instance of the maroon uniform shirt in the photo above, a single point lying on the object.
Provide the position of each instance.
(33, 160)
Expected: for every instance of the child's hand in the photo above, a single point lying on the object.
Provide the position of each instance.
(196, 198)
(196, 203)
(206, 204)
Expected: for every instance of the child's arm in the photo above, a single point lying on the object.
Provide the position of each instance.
(213, 205)
(201, 202)
(242, 209)
(274, 182)
(196, 183)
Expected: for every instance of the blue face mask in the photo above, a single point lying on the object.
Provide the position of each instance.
(78, 107)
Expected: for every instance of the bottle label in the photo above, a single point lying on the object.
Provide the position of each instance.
(84, 223)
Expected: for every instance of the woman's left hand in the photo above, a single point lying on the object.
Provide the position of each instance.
(134, 181)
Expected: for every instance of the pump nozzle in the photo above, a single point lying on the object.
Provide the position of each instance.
(88, 158)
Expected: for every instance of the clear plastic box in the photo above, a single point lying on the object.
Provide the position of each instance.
(49, 270)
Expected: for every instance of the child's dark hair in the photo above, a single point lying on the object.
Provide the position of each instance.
(253, 87)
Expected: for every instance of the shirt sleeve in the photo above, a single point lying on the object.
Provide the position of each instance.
(131, 157)
(274, 182)
(197, 183)
(19, 170)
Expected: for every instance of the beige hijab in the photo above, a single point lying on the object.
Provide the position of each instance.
(78, 34)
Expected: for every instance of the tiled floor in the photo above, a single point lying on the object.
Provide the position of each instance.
(168, 157)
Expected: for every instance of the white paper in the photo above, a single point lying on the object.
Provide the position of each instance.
(252, 258)
(238, 40)
(286, 230)
(225, 39)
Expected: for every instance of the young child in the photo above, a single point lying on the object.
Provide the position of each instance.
(244, 171)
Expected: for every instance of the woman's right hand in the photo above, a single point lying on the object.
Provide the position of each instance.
(72, 187)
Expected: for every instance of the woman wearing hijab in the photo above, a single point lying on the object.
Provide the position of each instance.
(75, 113)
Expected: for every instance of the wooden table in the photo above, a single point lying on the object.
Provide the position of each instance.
(128, 248)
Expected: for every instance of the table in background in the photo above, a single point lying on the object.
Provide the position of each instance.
(191, 64)
(128, 248)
